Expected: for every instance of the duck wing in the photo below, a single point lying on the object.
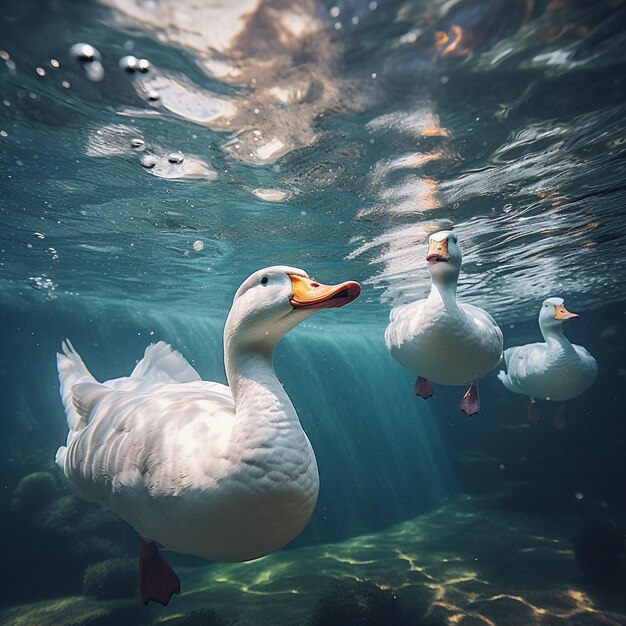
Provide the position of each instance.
(403, 320)
(482, 318)
(161, 363)
(151, 442)
(522, 363)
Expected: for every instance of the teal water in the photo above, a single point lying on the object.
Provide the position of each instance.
(332, 137)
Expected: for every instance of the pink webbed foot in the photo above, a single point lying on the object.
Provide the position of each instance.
(470, 403)
(157, 580)
(423, 387)
(559, 421)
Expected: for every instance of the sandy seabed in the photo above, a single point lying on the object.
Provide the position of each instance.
(469, 563)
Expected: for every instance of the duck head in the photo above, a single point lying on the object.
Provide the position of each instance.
(270, 302)
(444, 256)
(552, 314)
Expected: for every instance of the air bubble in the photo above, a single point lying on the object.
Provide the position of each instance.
(40, 71)
(507, 208)
(137, 143)
(128, 63)
(149, 161)
(198, 245)
(153, 95)
(89, 58)
(39, 235)
(55, 64)
(578, 495)
(143, 65)
(176, 157)
(334, 12)
(85, 53)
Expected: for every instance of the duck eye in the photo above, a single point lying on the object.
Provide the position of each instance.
(264, 280)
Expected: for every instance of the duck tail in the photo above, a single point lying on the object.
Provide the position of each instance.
(72, 370)
(508, 382)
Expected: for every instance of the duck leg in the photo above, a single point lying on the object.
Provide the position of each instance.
(559, 420)
(470, 403)
(423, 387)
(534, 417)
(157, 580)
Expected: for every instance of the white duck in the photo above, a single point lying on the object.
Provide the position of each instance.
(440, 339)
(221, 472)
(555, 370)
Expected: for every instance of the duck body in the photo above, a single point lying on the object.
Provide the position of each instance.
(555, 370)
(171, 459)
(448, 344)
(222, 472)
(440, 339)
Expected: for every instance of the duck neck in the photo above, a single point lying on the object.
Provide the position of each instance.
(554, 337)
(443, 290)
(257, 391)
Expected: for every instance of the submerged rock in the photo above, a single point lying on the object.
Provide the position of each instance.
(33, 493)
(113, 578)
(357, 603)
(202, 617)
(61, 517)
(93, 550)
(76, 611)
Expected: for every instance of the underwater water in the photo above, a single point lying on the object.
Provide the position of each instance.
(332, 137)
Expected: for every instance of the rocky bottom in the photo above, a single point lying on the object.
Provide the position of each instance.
(473, 562)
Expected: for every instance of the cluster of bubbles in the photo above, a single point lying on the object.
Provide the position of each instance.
(45, 283)
(150, 160)
(174, 165)
(132, 64)
(91, 61)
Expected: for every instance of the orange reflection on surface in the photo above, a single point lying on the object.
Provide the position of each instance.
(433, 129)
(447, 43)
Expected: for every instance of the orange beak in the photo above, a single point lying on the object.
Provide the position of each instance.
(309, 294)
(438, 252)
(561, 313)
